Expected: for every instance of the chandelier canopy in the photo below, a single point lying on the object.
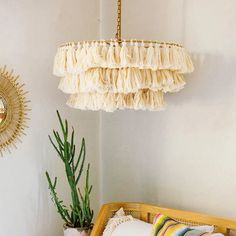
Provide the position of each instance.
(118, 74)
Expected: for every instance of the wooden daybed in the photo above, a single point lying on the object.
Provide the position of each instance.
(147, 212)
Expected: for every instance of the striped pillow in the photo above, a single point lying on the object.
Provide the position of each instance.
(165, 226)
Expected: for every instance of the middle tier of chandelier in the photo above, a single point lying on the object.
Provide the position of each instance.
(111, 75)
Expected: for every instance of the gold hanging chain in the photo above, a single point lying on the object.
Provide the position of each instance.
(118, 37)
(119, 14)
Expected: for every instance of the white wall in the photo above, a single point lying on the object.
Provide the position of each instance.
(184, 157)
(30, 33)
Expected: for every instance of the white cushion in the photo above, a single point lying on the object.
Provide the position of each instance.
(205, 228)
(133, 228)
(115, 221)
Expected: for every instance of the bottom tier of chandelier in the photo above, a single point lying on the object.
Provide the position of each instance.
(144, 99)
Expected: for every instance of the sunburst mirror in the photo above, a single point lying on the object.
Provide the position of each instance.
(13, 110)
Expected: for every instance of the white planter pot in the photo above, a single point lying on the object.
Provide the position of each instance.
(77, 231)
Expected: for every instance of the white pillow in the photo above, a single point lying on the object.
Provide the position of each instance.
(205, 228)
(115, 221)
(133, 228)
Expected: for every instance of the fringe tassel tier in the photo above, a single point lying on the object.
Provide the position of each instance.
(78, 58)
(128, 80)
(109, 102)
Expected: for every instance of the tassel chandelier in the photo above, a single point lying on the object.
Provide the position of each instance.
(120, 74)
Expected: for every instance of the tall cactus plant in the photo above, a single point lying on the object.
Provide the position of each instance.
(79, 214)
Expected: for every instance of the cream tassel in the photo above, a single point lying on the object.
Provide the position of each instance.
(88, 61)
(149, 62)
(179, 83)
(59, 68)
(111, 61)
(112, 87)
(167, 82)
(127, 81)
(157, 57)
(95, 81)
(135, 56)
(155, 83)
(149, 100)
(106, 81)
(165, 56)
(142, 56)
(148, 80)
(69, 84)
(129, 101)
(80, 58)
(174, 59)
(158, 101)
(185, 61)
(117, 53)
(120, 84)
(102, 82)
(136, 79)
(122, 101)
(109, 103)
(104, 54)
(130, 53)
(83, 87)
(182, 62)
(97, 54)
(132, 82)
(138, 101)
(71, 59)
(110, 82)
(124, 55)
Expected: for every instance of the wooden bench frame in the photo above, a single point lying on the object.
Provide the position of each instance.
(147, 212)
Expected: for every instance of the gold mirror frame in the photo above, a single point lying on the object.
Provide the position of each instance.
(14, 96)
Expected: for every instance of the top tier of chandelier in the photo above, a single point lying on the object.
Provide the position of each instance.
(120, 74)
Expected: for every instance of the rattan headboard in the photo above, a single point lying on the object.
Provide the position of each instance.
(147, 212)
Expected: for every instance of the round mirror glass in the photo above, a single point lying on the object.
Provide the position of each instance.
(3, 110)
